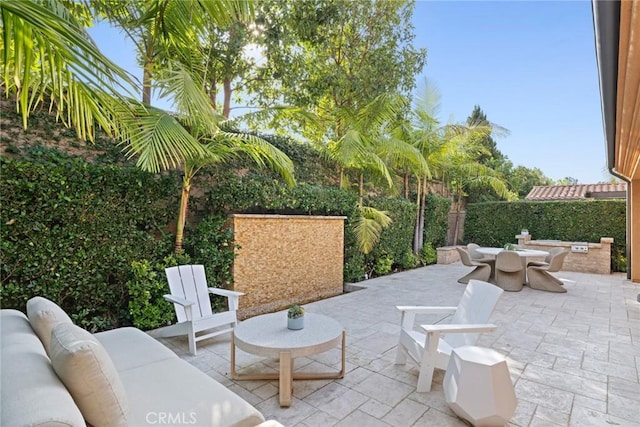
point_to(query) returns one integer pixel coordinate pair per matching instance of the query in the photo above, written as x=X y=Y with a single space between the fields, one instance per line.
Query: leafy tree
x=567 y=181
x=523 y=180
x=328 y=54
x=491 y=156
x=161 y=29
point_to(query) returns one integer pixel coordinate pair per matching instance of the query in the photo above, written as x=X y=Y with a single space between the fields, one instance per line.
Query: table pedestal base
x=285 y=376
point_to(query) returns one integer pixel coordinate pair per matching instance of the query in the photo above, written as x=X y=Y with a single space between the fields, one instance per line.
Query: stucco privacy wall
x=285 y=259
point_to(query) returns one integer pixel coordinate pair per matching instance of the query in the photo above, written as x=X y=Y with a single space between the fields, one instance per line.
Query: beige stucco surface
x=285 y=259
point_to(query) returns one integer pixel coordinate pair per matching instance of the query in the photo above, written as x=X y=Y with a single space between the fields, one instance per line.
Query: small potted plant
x=524 y=232
x=295 y=317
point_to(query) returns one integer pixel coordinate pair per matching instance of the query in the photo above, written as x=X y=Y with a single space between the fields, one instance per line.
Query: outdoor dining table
x=524 y=255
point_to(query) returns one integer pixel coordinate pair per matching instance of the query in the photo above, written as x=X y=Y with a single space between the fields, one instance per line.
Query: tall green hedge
x=96 y=238
x=497 y=223
x=70 y=230
x=396 y=241
x=263 y=194
x=436 y=219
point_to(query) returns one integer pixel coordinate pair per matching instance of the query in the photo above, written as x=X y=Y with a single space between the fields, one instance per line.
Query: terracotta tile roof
x=578 y=192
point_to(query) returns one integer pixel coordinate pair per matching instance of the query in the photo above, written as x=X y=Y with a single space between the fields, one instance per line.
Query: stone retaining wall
x=285 y=259
x=596 y=260
x=447 y=255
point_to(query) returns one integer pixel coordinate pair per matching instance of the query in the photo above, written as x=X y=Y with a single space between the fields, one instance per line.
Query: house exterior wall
x=634 y=229
x=286 y=259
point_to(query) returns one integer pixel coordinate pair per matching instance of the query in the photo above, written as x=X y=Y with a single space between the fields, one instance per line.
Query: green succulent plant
x=295 y=311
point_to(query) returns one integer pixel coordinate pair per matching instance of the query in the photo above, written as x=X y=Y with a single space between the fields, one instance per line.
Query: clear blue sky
x=530 y=66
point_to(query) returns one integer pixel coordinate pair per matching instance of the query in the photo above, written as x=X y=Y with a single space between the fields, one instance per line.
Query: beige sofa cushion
x=44 y=315
x=174 y=389
x=130 y=348
x=31 y=394
x=86 y=370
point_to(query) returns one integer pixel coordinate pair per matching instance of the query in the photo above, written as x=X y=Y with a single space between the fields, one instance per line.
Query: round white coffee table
x=268 y=336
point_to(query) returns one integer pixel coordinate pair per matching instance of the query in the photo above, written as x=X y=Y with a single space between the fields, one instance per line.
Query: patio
x=574 y=358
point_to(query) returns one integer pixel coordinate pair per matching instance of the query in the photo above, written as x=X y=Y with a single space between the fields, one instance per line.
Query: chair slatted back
x=475 y=307
x=190 y=282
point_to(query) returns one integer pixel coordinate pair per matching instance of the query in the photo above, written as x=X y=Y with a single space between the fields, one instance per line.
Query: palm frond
x=372 y=162
x=429 y=101
x=401 y=153
x=157 y=138
x=263 y=154
x=189 y=99
x=368 y=226
x=348 y=149
x=46 y=49
x=225 y=12
x=382 y=111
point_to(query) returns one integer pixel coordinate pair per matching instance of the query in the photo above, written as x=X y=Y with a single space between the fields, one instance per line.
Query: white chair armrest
x=270 y=423
x=177 y=300
x=225 y=292
x=448 y=329
x=409 y=313
x=416 y=309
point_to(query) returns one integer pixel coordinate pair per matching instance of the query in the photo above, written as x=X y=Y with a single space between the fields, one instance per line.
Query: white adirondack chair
x=190 y=297
x=430 y=349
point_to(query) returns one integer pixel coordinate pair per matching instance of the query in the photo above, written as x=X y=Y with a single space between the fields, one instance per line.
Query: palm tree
x=47 y=52
x=445 y=150
x=48 y=55
x=361 y=147
x=196 y=121
x=180 y=74
x=464 y=171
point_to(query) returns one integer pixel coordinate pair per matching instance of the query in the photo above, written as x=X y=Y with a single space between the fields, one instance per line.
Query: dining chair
x=539 y=277
x=509 y=271
x=547 y=259
x=482 y=271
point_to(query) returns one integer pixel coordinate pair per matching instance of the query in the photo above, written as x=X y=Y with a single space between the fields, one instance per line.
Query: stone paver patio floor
x=574 y=358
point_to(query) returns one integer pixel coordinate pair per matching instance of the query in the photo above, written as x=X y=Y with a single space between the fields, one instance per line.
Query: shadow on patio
x=574 y=358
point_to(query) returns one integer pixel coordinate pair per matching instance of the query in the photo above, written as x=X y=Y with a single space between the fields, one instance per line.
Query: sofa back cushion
x=44 y=315
x=86 y=370
x=31 y=394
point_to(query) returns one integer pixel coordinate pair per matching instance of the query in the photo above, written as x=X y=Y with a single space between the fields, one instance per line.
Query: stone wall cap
x=269 y=216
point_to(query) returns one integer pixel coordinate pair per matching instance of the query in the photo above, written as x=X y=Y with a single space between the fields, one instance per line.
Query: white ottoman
x=478 y=387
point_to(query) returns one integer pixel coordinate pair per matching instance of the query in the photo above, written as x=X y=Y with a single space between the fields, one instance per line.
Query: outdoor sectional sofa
x=55 y=373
